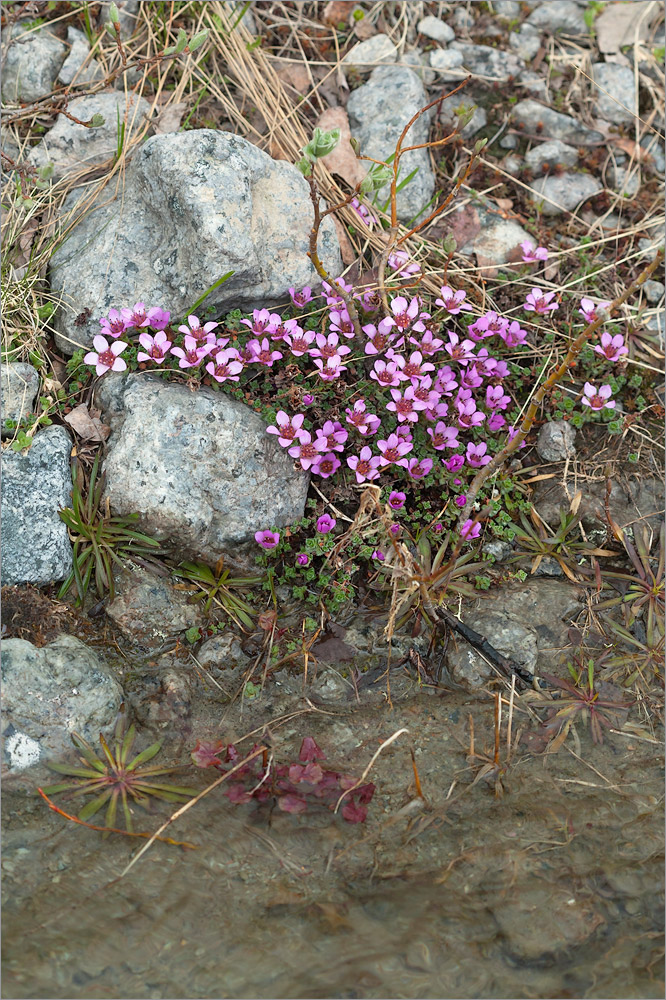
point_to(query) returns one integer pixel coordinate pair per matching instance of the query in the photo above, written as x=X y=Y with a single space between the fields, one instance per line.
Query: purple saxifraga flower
x=597 y=399
x=393 y=449
x=540 y=302
x=267 y=539
x=470 y=530
x=333 y=436
x=262 y=322
x=305 y=450
x=532 y=254
x=443 y=436
x=325 y=523
x=303 y=559
x=263 y=352
x=405 y=405
x=453 y=302
x=287 y=428
x=301 y=299
x=137 y=316
x=114 y=325
x=365 y=465
x=589 y=310
x=154 y=348
x=327 y=465
x=300 y=342
x=224 y=366
x=105 y=357
x=415 y=468
x=611 y=348
x=192 y=353
x=194 y=329
x=397 y=500
x=158 y=318
x=476 y=454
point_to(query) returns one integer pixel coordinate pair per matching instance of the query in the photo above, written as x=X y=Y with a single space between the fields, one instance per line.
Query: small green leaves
x=198 y=40
x=449 y=244
x=114 y=16
x=181 y=43
x=321 y=144
x=478 y=146
x=376 y=178
x=96 y=121
x=355 y=145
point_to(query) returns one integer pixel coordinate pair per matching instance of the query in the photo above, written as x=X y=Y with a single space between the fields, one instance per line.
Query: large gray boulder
x=19 y=384
x=49 y=693
x=35 y=485
x=198 y=467
x=193 y=206
x=538 y=118
x=31 y=61
x=378 y=111
x=72 y=148
x=564 y=192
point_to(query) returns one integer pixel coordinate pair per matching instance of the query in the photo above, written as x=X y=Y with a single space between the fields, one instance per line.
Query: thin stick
x=188 y=805
x=374 y=757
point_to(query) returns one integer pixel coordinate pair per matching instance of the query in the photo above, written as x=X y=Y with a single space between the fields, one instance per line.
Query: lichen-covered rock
x=530 y=113
x=35 y=485
x=564 y=192
x=378 y=49
x=614 y=92
x=198 y=467
x=148 y=608
x=50 y=692
x=378 y=112
x=435 y=28
x=73 y=70
x=556 y=441
x=489 y=63
x=194 y=205
x=550 y=154
x=31 y=62
x=525 y=42
x=19 y=384
x=71 y=147
x=565 y=15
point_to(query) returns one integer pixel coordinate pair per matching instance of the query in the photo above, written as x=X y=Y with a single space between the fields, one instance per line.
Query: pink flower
x=339 y=322
x=445 y=382
x=397 y=499
x=263 y=353
x=106 y=358
x=154 y=348
x=327 y=465
x=308 y=399
x=428 y=344
x=611 y=348
x=416 y=469
x=495 y=398
x=330 y=291
x=393 y=449
x=370 y=299
x=514 y=335
x=325 y=523
x=511 y=433
x=378 y=555
x=379 y=337
x=301 y=298
x=224 y=366
x=454 y=463
x=328 y=347
x=398 y=260
x=365 y=423
x=470 y=378
x=364 y=465
x=461 y=500
x=286 y=428
x=452 y=301
x=387 y=373
x=462 y=352
x=443 y=436
x=404 y=312
x=415 y=367
x=425 y=393
x=287 y=327
x=333 y=436
x=487 y=325
x=267 y=539
x=363 y=212
x=305 y=450
x=299 y=342
x=158 y=317
x=540 y=302
x=197 y=331
x=588 y=309
x=405 y=406
x=476 y=454
x=262 y=322
x=114 y=326
x=597 y=400
x=136 y=316
x=495 y=422
x=532 y=254
x=468 y=415
x=303 y=559
x=470 y=530
x=193 y=354
x=331 y=369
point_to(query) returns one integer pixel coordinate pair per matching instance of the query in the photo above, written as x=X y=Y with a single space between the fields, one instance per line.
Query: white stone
x=372 y=52
x=439 y=31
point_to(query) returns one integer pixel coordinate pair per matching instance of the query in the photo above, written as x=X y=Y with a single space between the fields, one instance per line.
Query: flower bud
x=376 y=178
x=114 y=16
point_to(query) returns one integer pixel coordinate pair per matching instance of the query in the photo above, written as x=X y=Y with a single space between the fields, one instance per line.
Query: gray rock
x=447 y=62
x=373 y=51
x=194 y=205
x=506 y=8
x=32 y=60
x=655 y=147
x=650 y=247
x=498 y=549
x=417 y=60
x=438 y=30
x=489 y=63
x=378 y=111
x=72 y=66
x=512 y=164
x=148 y=608
x=564 y=192
x=525 y=42
x=509 y=635
x=127 y=15
x=549 y=154
x=625 y=182
x=563 y=16
x=615 y=92
x=19 y=385
x=549 y=567
x=642 y=498
x=556 y=440
x=534 y=83
x=71 y=147
x=223 y=655
x=654 y=291
x=450 y=105
x=463 y=19
x=530 y=113
x=35 y=485
x=497 y=239
x=509 y=141
x=49 y=693
x=164 y=696
x=198 y=467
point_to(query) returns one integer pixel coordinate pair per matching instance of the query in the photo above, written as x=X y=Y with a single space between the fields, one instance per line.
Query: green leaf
x=114 y=16
x=198 y=40
x=94 y=805
x=220 y=281
x=97 y=121
x=145 y=755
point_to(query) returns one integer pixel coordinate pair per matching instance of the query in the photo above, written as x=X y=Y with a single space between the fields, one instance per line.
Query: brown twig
x=558 y=373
